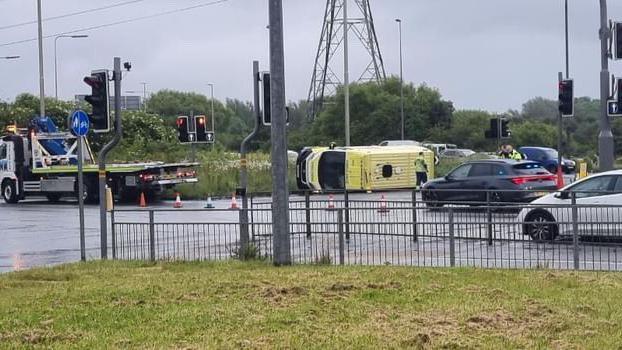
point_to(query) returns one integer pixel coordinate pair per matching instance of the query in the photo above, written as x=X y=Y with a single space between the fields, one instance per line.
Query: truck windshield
x=332 y=170
x=2 y=151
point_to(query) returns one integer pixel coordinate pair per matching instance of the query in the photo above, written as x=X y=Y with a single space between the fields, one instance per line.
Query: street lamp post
x=399 y=22
x=55 y=58
x=144 y=96
x=212 y=98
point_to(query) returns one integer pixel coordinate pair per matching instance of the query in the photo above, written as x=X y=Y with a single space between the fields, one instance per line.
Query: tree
x=375 y=114
x=467 y=129
x=534 y=133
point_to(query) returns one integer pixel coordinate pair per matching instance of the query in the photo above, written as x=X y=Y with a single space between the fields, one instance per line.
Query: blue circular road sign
x=80 y=123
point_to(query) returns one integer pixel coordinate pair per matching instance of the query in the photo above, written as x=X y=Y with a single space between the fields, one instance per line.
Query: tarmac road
x=38 y=233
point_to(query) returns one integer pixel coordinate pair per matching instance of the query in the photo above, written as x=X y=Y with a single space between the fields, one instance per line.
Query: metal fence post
x=308 y=213
x=346 y=200
x=489 y=218
x=575 y=231
x=151 y=236
x=452 y=247
x=252 y=220
x=114 y=235
x=414 y=213
x=341 y=238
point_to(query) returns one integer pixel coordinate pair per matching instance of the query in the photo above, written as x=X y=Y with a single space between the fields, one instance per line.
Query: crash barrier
x=410 y=232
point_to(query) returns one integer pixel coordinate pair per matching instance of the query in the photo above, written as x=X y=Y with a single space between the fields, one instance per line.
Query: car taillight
x=524 y=179
x=146 y=177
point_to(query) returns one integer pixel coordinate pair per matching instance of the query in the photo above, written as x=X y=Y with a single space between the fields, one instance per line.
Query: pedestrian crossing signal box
x=266 y=111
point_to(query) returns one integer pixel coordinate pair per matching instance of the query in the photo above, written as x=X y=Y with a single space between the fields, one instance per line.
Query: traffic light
x=566 y=98
x=617 y=29
x=265 y=83
x=182 y=129
x=98 y=99
x=200 y=122
x=493 y=132
x=505 y=130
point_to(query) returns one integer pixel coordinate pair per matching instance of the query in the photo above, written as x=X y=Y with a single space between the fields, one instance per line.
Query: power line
x=16 y=25
x=130 y=20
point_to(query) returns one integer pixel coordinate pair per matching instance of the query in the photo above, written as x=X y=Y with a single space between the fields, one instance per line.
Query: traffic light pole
x=244 y=236
x=280 y=191
x=102 y=158
x=605 y=137
x=560 y=126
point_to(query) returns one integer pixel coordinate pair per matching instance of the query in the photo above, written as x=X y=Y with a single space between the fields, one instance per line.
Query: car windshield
x=551 y=153
x=529 y=169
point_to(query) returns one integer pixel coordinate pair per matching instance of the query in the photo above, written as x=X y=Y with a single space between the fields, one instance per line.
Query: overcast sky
x=481 y=54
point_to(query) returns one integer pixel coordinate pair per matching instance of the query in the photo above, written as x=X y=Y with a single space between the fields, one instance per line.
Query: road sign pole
x=79 y=124
x=81 y=196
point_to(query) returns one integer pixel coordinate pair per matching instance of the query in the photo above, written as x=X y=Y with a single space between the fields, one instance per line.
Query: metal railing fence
x=410 y=232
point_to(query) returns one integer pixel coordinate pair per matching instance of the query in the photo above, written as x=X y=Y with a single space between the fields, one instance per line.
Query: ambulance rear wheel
x=9 y=192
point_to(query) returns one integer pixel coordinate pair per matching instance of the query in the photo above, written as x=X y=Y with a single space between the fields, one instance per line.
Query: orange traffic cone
x=143 y=202
x=234 y=203
x=178 y=204
x=560 y=178
x=383 y=205
x=331 y=202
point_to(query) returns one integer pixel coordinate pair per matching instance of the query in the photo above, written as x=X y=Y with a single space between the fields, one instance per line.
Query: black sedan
x=505 y=180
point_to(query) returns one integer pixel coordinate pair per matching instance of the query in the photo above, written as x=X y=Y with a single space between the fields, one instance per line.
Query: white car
x=551 y=216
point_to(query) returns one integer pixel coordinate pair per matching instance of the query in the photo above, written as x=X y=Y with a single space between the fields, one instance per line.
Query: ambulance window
x=2 y=151
x=387 y=171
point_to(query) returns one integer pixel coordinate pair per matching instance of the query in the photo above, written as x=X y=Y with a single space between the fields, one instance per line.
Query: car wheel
x=541 y=226
x=9 y=192
x=431 y=199
x=495 y=197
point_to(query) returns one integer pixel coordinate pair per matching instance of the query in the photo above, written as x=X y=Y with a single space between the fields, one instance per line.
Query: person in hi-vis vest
x=421 y=170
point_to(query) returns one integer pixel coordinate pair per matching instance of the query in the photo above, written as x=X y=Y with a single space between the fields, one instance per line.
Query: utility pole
x=280 y=191
x=41 y=79
x=346 y=75
x=399 y=21
x=605 y=137
x=211 y=85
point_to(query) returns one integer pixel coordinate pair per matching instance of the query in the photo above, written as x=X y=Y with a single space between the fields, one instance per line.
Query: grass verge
x=254 y=305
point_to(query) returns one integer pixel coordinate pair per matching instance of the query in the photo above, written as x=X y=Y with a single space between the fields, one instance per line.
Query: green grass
x=254 y=305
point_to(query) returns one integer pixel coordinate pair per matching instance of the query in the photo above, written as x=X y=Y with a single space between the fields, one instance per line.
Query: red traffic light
x=94 y=81
x=181 y=121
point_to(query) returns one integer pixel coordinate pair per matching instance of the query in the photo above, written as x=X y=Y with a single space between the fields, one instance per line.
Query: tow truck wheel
x=89 y=193
x=9 y=192
x=53 y=197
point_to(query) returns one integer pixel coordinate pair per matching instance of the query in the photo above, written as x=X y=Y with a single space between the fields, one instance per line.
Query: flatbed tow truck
x=42 y=161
